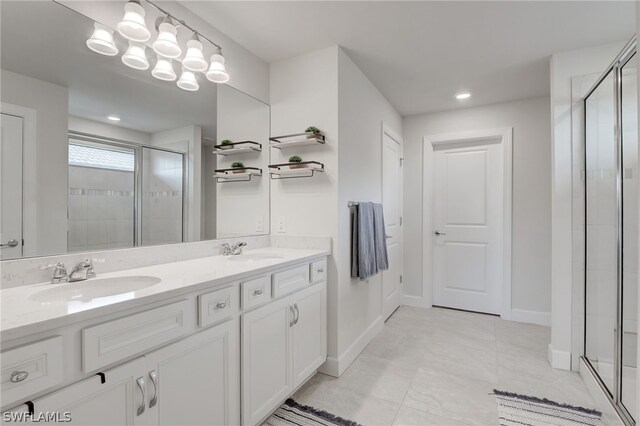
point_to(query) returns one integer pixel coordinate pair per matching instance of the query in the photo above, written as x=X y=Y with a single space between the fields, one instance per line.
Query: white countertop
x=22 y=316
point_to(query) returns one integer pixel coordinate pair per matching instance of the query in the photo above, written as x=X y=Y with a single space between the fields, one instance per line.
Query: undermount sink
x=88 y=290
x=253 y=257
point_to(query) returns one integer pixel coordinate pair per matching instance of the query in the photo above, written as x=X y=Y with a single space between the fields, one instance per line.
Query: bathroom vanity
x=221 y=340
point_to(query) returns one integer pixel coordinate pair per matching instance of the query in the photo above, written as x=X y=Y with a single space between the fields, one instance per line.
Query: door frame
x=505 y=135
x=389 y=131
x=29 y=175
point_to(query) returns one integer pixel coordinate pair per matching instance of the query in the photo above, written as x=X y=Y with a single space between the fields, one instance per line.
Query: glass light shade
x=188 y=81
x=164 y=70
x=135 y=56
x=217 y=71
x=167 y=44
x=194 y=59
x=101 y=40
x=132 y=26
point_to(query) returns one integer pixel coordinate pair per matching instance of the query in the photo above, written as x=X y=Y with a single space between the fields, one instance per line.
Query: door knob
x=438 y=233
x=10 y=243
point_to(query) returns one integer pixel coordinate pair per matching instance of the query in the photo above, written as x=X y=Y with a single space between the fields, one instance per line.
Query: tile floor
x=438 y=367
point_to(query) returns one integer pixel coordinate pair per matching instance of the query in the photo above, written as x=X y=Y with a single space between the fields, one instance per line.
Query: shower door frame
x=137 y=178
x=614 y=395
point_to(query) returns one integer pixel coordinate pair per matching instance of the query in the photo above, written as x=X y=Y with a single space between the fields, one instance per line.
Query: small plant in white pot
x=316 y=133
x=238 y=167
x=226 y=144
x=296 y=160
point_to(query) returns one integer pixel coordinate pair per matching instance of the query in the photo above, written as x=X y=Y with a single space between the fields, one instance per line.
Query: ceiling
x=46 y=41
x=420 y=54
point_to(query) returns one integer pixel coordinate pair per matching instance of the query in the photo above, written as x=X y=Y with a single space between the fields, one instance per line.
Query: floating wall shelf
x=237 y=148
x=295 y=170
x=243 y=174
x=297 y=139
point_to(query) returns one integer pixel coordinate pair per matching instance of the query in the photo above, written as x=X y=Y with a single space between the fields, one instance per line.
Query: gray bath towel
x=368 y=245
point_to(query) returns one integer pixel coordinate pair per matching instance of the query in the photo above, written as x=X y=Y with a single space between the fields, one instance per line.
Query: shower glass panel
x=601 y=230
x=162 y=197
x=629 y=133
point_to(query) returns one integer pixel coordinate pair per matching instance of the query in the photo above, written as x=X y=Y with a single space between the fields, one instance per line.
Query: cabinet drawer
x=319 y=271
x=255 y=292
x=217 y=306
x=31 y=368
x=112 y=341
x=291 y=280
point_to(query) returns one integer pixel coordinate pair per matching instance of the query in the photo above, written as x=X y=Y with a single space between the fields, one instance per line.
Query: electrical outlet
x=259 y=224
x=282 y=224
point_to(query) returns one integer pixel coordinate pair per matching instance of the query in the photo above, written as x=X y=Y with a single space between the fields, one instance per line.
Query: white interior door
x=11 y=187
x=392 y=203
x=468 y=226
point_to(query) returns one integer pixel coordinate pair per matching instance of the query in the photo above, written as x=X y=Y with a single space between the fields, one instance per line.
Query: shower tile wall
x=162 y=185
x=100 y=209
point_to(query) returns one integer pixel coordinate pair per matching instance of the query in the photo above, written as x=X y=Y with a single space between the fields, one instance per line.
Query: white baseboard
x=415 y=301
x=531 y=317
x=559 y=359
x=336 y=366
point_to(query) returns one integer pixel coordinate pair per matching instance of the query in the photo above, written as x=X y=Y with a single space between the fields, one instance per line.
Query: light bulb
x=135 y=56
x=167 y=44
x=188 y=81
x=463 y=95
x=164 y=70
x=132 y=26
x=194 y=59
x=101 y=40
x=217 y=70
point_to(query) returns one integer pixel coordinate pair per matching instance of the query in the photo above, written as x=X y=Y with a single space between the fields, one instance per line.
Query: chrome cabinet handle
x=438 y=233
x=221 y=305
x=18 y=376
x=321 y=270
x=295 y=306
x=257 y=292
x=141 y=385
x=293 y=316
x=10 y=243
x=154 y=379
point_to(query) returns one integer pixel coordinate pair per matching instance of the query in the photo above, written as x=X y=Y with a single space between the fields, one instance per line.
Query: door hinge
x=400 y=278
x=400 y=220
x=401 y=160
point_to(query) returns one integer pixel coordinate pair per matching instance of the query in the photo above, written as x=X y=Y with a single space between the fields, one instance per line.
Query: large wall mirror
x=97 y=155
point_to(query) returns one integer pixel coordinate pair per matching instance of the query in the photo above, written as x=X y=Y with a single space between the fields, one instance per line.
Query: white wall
x=48 y=160
x=531 y=215
x=565 y=233
x=96 y=128
x=325 y=89
x=362 y=110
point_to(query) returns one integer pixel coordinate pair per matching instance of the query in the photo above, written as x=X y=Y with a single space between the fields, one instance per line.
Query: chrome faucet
x=232 y=249
x=82 y=271
x=59 y=272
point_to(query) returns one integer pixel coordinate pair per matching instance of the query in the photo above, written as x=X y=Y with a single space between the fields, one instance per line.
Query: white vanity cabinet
x=283 y=344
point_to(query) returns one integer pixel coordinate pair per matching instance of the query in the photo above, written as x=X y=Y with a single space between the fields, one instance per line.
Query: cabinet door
x=309 y=333
x=266 y=372
x=197 y=381
x=117 y=401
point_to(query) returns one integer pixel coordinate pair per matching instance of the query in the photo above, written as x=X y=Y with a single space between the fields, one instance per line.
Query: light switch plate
x=259 y=224
x=282 y=224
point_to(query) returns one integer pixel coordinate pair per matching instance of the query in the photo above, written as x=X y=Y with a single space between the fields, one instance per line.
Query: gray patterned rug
x=293 y=414
x=522 y=410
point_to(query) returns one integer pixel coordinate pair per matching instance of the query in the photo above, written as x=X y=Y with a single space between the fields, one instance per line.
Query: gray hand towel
x=364 y=262
x=380 y=236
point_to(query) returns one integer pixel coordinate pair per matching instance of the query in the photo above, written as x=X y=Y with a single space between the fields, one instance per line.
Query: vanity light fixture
x=101 y=40
x=167 y=44
x=217 y=70
x=135 y=56
x=164 y=69
x=463 y=95
x=194 y=59
x=132 y=27
x=188 y=81
x=113 y=118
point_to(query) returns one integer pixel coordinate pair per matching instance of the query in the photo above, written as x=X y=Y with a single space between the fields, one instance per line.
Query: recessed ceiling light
x=113 y=118
x=463 y=95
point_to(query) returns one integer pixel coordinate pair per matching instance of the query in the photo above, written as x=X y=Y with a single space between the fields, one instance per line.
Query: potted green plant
x=238 y=166
x=226 y=144
x=296 y=159
x=313 y=129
